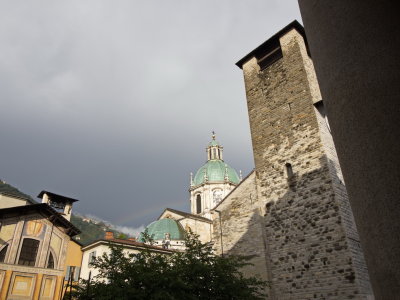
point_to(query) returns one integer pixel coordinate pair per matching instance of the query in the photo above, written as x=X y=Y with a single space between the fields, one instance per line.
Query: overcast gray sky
x=113 y=102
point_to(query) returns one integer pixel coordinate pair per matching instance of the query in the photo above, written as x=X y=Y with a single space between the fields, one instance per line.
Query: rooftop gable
x=45 y=210
x=184 y=214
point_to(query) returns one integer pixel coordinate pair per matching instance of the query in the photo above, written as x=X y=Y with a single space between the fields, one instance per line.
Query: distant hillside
x=92 y=229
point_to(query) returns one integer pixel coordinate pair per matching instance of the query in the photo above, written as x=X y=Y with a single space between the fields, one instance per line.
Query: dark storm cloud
x=113 y=102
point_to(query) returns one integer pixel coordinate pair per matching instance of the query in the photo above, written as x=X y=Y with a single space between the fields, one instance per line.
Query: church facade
x=208 y=187
x=290 y=216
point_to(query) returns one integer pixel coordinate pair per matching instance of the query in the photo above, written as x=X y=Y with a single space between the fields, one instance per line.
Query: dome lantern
x=212 y=182
x=214 y=149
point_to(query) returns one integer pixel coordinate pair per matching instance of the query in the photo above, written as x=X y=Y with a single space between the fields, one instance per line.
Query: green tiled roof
x=9 y=190
x=159 y=228
x=215 y=170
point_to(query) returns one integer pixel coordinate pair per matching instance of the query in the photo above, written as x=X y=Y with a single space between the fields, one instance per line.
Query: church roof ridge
x=243 y=180
x=185 y=214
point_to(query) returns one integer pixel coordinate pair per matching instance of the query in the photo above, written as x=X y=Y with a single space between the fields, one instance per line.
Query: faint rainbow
x=127 y=218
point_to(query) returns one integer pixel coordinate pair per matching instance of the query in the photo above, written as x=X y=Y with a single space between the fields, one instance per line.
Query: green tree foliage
x=193 y=274
x=122 y=236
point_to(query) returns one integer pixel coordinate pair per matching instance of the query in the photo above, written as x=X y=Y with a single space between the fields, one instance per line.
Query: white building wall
x=100 y=250
x=6 y=202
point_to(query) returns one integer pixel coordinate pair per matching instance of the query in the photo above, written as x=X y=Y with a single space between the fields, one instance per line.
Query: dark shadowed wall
x=355 y=46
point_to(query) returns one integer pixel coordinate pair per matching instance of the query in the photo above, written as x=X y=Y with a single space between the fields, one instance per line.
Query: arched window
x=289 y=170
x=50 y=262
x=28 y=252
x=214 y=153
x=3 y=253
x=198 y=204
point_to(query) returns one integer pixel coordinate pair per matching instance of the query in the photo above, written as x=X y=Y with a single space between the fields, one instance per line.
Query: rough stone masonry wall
x=309 y=253
x=242 y=232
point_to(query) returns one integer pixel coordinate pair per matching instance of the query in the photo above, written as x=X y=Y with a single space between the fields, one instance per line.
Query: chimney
x=45 y=198
x=109 y=235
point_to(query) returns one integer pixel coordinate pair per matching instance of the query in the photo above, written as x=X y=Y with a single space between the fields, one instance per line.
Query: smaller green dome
x=159 y=228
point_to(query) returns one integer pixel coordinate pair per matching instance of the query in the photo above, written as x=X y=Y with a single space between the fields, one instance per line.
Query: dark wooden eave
x=57 y=197
x=45 y=210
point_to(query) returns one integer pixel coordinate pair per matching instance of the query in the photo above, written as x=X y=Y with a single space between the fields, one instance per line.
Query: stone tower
x=311 y=242
x=212 y=182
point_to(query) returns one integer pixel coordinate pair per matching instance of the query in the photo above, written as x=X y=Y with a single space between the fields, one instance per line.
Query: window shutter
x=68 y=273
x=77 y=273
x=92 y=255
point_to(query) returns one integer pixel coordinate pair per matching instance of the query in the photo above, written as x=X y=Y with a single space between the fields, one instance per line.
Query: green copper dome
x=215 y=171
x=159 y=228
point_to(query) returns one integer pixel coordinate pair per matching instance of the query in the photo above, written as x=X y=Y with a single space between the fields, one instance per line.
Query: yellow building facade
x=34 y=243
x=73 y=264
